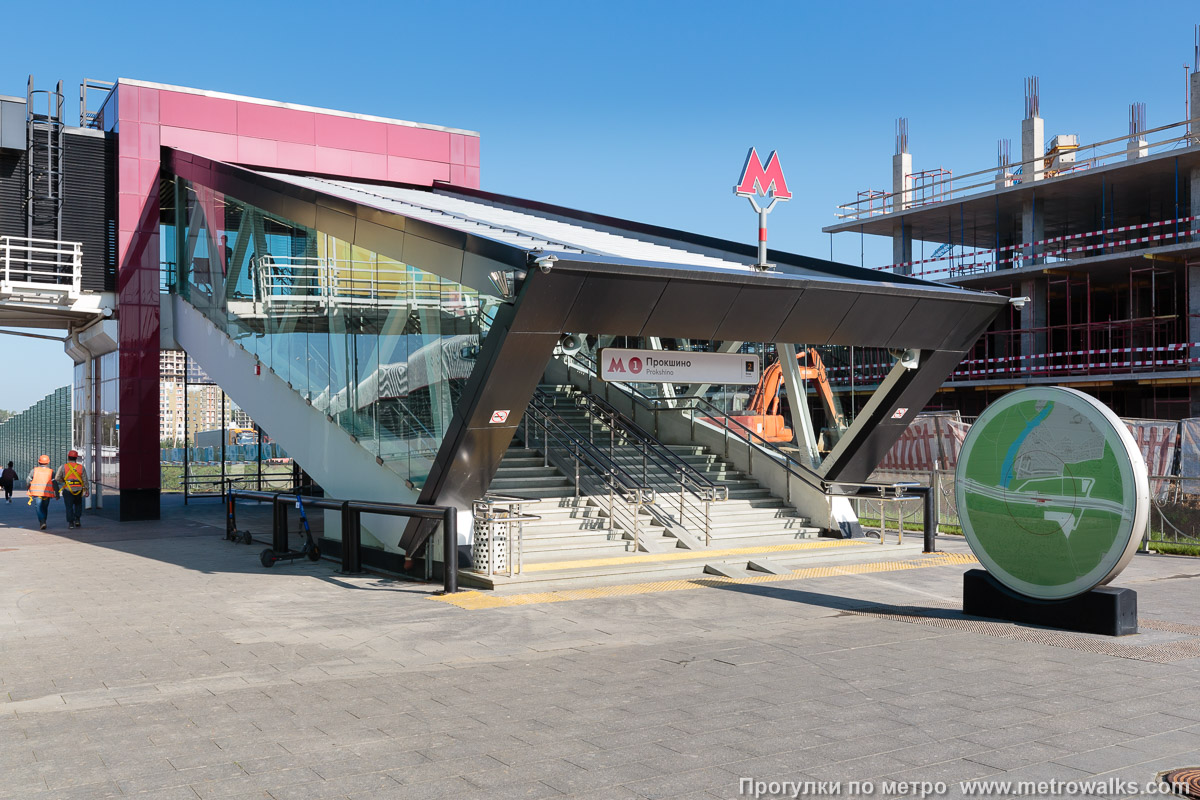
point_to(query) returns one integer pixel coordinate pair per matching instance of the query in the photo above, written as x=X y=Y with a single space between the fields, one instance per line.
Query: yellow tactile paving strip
x=482 y=600
x=692 y=555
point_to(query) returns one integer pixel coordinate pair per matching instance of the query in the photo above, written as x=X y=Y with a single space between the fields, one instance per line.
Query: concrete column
x=1194 y=107
x=902 y=181
x=902 y=249
x=1032 y=230
x=1193 y=307
x=1194 y=194
x=1033 y=316
x=1033 y=149
x=1138 y=148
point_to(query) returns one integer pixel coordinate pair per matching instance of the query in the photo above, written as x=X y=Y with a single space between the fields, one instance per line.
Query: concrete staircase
x=753 y=533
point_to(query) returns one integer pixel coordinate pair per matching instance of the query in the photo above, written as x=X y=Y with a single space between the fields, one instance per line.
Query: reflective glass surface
x=382 y=347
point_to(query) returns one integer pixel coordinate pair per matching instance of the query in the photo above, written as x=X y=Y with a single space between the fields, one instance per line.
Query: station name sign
x=671 y=366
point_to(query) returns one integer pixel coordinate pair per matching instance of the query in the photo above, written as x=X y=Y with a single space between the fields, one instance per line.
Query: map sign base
x=1105 y=610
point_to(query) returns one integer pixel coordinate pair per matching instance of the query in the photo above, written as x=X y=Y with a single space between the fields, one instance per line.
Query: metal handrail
x=613 y=477
x=986 y=178
x=701 y=485
x=690 y=480
x=351 y=512
x=793 y=467
x=800 y=470
x=485 y=510
x=326 y=281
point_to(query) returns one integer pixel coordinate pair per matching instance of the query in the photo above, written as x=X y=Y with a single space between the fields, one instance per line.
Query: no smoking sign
x=499 y=417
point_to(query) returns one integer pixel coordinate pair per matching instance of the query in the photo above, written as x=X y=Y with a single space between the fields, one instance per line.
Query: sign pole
x=762 y=240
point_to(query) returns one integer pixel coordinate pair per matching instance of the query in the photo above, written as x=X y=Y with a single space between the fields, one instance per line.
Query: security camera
x=546 y=263
x=1018 y=302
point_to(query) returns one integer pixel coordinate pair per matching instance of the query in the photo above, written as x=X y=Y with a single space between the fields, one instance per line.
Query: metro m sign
x=768 y=184
x=759 y=180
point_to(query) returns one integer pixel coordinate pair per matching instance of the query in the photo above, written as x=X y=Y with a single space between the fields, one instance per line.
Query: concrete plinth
x=1105 y=610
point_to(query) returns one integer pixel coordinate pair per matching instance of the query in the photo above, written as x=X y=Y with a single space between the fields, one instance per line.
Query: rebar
x=1033 y=100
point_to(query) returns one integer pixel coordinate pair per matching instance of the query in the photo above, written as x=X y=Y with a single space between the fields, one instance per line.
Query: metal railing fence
x=40 y=265
x=958 y=187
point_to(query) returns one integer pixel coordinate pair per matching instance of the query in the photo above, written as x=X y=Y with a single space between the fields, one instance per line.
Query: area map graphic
x=1047 y=488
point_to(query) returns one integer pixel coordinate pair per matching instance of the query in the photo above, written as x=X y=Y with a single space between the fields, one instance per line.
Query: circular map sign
x=1052 y=492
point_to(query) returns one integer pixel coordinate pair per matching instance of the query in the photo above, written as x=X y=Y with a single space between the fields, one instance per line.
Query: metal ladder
x=43 y=162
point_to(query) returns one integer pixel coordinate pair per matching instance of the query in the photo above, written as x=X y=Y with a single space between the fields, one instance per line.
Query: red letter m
x=756 y=179
x=616 y=365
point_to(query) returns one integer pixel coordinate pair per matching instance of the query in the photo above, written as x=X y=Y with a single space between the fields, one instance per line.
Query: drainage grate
x=1184 y=781
x=945 y=615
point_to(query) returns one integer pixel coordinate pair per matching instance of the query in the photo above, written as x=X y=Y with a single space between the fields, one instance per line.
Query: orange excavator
x=762 y=415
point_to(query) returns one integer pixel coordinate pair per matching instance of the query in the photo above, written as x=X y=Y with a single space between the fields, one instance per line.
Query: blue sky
x=642 y=110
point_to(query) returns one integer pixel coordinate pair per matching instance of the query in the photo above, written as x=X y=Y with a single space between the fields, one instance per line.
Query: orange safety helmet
x=43 y=460
x=73 y=454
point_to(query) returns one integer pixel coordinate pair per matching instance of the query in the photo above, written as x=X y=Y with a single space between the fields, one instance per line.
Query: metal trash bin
x=496 y=544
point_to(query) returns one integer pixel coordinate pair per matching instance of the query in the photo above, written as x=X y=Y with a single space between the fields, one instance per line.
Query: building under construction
x=1096 y=243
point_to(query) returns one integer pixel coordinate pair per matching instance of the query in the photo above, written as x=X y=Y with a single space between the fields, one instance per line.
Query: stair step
x=532 y=460
x=579 y=543
x=567 y=535
x=506 y=472
x=540 y=493
x=743 y=494
x=733 y=527
x=722 y=538
x=582 y=510
x=537 y=557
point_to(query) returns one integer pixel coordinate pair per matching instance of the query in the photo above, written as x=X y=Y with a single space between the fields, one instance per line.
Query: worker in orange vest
x=41 y=488
x=73 y=480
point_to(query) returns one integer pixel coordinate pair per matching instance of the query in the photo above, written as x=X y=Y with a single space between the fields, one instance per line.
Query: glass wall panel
x=381 y=346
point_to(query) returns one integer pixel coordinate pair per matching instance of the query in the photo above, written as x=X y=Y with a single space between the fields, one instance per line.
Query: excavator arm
x=762 y=413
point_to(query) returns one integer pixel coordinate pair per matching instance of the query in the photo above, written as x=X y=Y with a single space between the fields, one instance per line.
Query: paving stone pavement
x=156 y=660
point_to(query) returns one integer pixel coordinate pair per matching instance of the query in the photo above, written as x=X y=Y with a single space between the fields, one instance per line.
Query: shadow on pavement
x=191 y=536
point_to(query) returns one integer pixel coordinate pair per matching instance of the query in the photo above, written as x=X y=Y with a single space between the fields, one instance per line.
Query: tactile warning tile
x=949 y=617
x=474 y=600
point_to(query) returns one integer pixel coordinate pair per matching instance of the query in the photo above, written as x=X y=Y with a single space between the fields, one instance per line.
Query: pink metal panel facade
x=242 y=131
